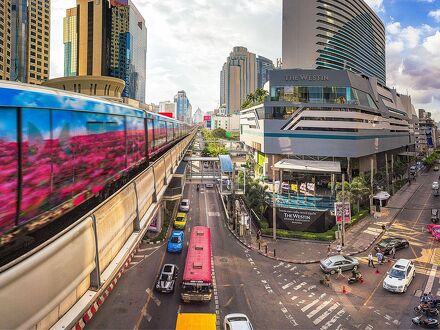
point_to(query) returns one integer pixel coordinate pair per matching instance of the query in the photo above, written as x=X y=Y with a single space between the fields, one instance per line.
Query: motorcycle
x=425 y=321
x=356 y=279
x=427 y=309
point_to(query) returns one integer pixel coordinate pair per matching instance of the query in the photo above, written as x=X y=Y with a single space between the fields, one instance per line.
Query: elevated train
x=59 y=149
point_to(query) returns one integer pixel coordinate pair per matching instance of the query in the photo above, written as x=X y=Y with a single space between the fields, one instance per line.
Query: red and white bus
x=197 y=277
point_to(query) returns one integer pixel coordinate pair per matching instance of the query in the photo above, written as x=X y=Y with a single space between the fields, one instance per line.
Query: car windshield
x=383 y=244
x=167 y=269
x=237 y=319
x=184 y=203
x=397 y=273
x=327 y=262
x=436 y=230
x=165 y=277
x=180 y=219
x=175 y=239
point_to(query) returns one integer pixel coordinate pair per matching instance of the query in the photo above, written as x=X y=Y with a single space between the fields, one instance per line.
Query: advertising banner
x=343 y=212
x=301 y=219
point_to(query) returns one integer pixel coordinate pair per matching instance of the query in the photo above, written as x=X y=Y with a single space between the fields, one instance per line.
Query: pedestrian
x=384 y=228
x=339 y=273
x=393 y=252
x=258 y=234
x=370 y=260
x=329 y=250
x=339 y=248
x=379 y=256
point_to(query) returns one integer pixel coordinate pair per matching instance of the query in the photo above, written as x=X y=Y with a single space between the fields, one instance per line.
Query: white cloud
x=435 y=14
x=377 y=5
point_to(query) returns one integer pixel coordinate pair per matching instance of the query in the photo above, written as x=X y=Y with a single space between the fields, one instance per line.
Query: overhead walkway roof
x=226 y=165
x=308 y=166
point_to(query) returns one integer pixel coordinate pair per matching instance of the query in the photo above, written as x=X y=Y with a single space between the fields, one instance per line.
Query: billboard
x=207 y=120
x=315 y=221
x=343 y=212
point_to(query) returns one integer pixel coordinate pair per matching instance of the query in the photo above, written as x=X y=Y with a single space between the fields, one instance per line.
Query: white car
x=184 y=205
x=400 y=276
x=237 y=322
x=435 y=185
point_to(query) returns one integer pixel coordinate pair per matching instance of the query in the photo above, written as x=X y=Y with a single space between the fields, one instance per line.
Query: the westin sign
x=307 y=77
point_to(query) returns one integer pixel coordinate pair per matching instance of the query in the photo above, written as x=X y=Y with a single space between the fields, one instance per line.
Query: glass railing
x=302 y=202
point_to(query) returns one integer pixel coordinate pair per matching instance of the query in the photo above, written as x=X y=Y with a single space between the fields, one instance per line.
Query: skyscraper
x=25 y=40
x=338 y=35
x=38 y=41
x=70 y=39
x=184 y=108
x=19 y=40
x=112 y=41
x=264 y=65
x=238 y=79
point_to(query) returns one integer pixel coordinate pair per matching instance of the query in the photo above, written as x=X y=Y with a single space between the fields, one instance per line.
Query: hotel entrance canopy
x=308 y=166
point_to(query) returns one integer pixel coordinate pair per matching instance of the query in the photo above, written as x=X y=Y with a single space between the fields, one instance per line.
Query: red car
x=434 y=230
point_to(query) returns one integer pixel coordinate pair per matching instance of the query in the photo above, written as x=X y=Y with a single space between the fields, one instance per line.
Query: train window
x=36 y=163
x=170 y=131
x=150 y=129
x=8 y=168
x=135 y=140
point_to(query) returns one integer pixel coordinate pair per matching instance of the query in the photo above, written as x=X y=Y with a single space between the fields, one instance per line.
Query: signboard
x=301 y=219
x=206 y=118
x=156 y=223
x=167 y=114
x=228 y=134
x=343 y=212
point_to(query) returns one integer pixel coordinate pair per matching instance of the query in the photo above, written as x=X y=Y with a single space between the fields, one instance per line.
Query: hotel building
x=333 y=34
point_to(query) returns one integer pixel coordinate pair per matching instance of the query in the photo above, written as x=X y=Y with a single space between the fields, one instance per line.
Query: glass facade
x=129 y=49
x=70 y=40
x=322 y=95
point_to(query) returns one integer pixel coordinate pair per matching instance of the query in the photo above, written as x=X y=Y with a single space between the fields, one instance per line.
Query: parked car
x=331 y=264
x=387 y=244
x=184 y=205
x=237 y=322
x=435 y=185
x=209 y=185
x=435 y=168
x=180 y=221
x=400 y=276
x=167 y=278
x=175 y=244
x=434 y=230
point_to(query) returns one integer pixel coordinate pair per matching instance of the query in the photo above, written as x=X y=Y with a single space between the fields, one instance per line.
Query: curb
x=93 y=309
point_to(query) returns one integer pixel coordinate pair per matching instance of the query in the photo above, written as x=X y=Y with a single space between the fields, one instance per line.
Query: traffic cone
x=377 y=270
x=362 y=280
x=344 y=291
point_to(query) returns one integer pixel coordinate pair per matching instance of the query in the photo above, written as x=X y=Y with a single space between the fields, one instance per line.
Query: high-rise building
x=112 y=41
x=19 y=40
x=264 y=65
x=198 y=116
x=184 y=108
x=238 y=79
x=25 y=40
x=70 y=39
x=38 y=41
x=337 y=35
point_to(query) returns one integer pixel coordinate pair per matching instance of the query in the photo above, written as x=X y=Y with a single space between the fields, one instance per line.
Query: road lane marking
x=319 y=308
x=299 y=286
x=333 y=320
x=326 y=314
x=431 y=279
x=288 y=285
x=313 y=303
x=279 y=265
x=294 y=298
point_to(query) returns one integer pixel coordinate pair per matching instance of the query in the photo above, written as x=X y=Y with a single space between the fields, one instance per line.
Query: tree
x=355 y=192
x=254 y=99
x=219 y=133
x=255 y=193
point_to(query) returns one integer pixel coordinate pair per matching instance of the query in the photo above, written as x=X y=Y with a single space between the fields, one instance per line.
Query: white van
x=400 y=276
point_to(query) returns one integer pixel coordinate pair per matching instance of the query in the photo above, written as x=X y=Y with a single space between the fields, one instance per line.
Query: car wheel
x=405 y=288
x=355 y=268
x=406 y=245
x=333 y=272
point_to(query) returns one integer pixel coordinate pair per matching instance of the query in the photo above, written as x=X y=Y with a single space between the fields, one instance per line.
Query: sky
x=189 y=40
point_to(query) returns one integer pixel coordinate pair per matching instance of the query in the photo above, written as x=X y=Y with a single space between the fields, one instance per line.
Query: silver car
x=331 y=264
x=167 y=278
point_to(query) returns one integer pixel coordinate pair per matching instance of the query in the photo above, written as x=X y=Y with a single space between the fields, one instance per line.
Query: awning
x=409 y=153
x=226 y=164
x=308 y=166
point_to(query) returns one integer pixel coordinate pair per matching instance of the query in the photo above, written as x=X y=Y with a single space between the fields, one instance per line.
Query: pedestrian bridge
x=62 y=282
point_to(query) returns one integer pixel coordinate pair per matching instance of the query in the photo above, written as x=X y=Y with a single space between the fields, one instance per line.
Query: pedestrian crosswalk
x=323 y=311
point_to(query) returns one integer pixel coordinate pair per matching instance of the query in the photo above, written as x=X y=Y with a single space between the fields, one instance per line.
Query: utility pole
x=274 y=202
x=371 y=184
x=343 y=210
x=387 y=172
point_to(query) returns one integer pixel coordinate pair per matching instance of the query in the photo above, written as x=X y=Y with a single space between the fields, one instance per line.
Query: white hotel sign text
x=305 y=77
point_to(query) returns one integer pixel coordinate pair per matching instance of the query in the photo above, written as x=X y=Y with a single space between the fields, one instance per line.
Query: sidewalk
x=359 y=238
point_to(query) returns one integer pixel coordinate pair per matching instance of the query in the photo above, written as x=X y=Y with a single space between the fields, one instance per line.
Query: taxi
x=180 y=221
